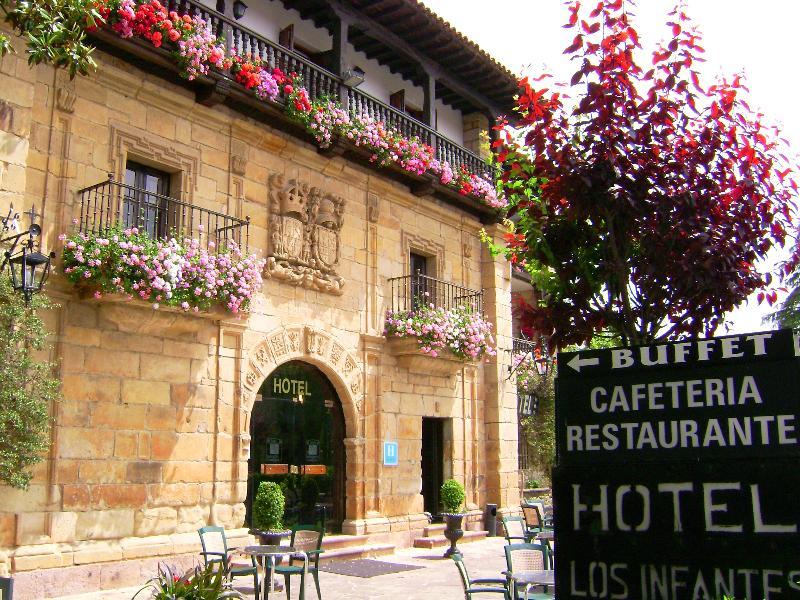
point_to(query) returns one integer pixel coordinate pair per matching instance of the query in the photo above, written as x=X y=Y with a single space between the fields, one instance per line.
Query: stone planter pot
x=453 y=532
x=269 y=538
x=408 y=354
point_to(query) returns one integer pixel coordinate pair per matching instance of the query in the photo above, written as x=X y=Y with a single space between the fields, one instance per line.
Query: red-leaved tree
x=641 y=205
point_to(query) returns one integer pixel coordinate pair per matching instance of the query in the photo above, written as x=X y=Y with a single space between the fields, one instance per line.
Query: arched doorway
x=297 y=440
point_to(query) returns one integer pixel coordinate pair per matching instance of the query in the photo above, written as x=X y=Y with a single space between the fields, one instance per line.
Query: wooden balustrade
x=322 y=83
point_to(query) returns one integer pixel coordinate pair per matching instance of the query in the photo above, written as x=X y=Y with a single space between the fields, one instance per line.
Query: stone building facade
x=152 y=437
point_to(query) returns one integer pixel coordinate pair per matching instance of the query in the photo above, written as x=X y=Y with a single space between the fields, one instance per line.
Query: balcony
x=221 y=87
x=413 y=292
x=111 y=204
x=425 y=301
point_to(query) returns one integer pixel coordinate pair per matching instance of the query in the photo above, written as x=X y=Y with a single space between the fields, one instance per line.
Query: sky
x=758 y=39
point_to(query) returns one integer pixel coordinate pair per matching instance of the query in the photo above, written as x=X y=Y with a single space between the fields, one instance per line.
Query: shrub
x=200 y=583
x=453 y=495
x=27 y=385
x=268 y=507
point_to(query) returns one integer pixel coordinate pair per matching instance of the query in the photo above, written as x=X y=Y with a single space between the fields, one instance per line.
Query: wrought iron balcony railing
x=110 y=204
x=413 y=292
x=321 y=82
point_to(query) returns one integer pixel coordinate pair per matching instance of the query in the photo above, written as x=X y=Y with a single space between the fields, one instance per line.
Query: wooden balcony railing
x=112 y=204
x=413 y=292
x=321 y=82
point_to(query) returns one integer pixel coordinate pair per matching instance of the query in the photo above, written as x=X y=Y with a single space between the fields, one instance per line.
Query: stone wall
x=151 y=439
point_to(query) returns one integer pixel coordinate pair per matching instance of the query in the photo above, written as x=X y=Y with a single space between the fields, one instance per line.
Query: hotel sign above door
x=677 y=470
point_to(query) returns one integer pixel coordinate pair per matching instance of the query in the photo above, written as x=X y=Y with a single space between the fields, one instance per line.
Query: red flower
x=288 y=89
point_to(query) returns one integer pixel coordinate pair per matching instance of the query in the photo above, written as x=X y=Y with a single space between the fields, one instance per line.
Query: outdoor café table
x=547 y=537
x=533 y=578
x=270 y=553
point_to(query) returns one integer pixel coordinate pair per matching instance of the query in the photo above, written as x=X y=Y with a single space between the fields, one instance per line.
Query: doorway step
x=433 y=537
x=349 y=547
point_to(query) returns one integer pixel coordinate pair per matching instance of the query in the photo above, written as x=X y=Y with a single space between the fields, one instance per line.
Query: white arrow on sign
x=577 y=362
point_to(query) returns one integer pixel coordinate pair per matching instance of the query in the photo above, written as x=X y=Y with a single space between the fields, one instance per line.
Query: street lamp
x=28 y=268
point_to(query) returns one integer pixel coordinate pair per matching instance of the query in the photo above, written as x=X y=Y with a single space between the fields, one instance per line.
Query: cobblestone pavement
x=437 y=580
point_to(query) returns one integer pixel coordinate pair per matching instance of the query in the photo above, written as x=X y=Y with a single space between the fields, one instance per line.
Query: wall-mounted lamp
x=239 y=8
x=353 y=77
x=28 y=268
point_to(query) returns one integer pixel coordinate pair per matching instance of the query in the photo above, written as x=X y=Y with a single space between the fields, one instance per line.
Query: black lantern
x=239 y=8
x=28 y=268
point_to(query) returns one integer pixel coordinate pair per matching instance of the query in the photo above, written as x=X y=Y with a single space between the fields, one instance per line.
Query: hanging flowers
x=458 y=330
x=197 y=48
x=184 y=274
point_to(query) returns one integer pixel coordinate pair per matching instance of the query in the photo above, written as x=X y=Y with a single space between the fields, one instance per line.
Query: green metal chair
x=514 y=529
x=479 y=586
x=527 y=557
x=535 y=521
x=308 y=539
x=215 y=550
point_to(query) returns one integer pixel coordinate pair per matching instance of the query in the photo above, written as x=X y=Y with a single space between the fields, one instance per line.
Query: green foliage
x=452 y=494
x=268 y=507
x=200 y=583
x=27 y=385
x=788 y=315
x=54 y=31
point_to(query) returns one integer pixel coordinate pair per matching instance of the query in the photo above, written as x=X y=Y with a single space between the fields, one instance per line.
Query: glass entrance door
x=297 y=440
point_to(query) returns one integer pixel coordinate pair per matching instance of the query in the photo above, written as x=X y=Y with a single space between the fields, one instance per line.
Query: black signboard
x=677 y=470
x=6 y=588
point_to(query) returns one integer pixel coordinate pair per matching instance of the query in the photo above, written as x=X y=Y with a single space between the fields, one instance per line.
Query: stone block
x=101 y=471
x=118 y=495
x=76 y=496
x=82 y=336
x=120 y=363
x=145 y=392
x=162 y=444
x=161 y=417
x=62 y=526
x=44 y=556
x=157 y=545
x=90 y=388
x=119 y=340
x=8 y=524
x=125 y=444
x=103 y=524
x=144 y=472
x=119 y=416
x=192 y=518
x=188 y=471
x=83 y=442
x=186 y=542
x=155 y=521
x=187 y=349
x=174 y=494
x=157 y=368
x=96 y=551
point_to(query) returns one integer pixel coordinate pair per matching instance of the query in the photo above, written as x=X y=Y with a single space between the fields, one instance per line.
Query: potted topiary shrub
x=268 y=508
x=452 y=495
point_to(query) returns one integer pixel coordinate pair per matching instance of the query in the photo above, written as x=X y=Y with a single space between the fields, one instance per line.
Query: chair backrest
x=306 y=537
x=527 y=557
x=532 y=517
x=213 y=539
x=514 y=527
x=462 y=569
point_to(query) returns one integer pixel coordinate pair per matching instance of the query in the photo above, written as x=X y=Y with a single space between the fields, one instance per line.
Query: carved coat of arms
x=304 y=235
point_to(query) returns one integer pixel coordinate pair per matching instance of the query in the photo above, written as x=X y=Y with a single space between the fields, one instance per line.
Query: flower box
x=409 y=356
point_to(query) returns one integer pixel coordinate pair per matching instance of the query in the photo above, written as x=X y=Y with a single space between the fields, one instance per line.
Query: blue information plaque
x=390 y=454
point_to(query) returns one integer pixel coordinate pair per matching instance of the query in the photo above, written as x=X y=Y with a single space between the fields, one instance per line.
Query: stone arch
x=315 y=347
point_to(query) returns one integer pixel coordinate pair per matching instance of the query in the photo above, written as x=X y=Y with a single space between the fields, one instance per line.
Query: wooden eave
x=417 y=38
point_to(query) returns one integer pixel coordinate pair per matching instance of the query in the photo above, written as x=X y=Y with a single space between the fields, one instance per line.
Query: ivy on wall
x=27 y=385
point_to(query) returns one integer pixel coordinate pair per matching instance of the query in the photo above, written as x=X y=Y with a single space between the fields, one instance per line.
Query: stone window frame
x=424 y=247
x=182 y=162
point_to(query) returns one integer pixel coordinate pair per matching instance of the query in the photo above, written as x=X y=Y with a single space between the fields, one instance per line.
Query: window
x=398 y=101
x=145 y=202
x=421 y=285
